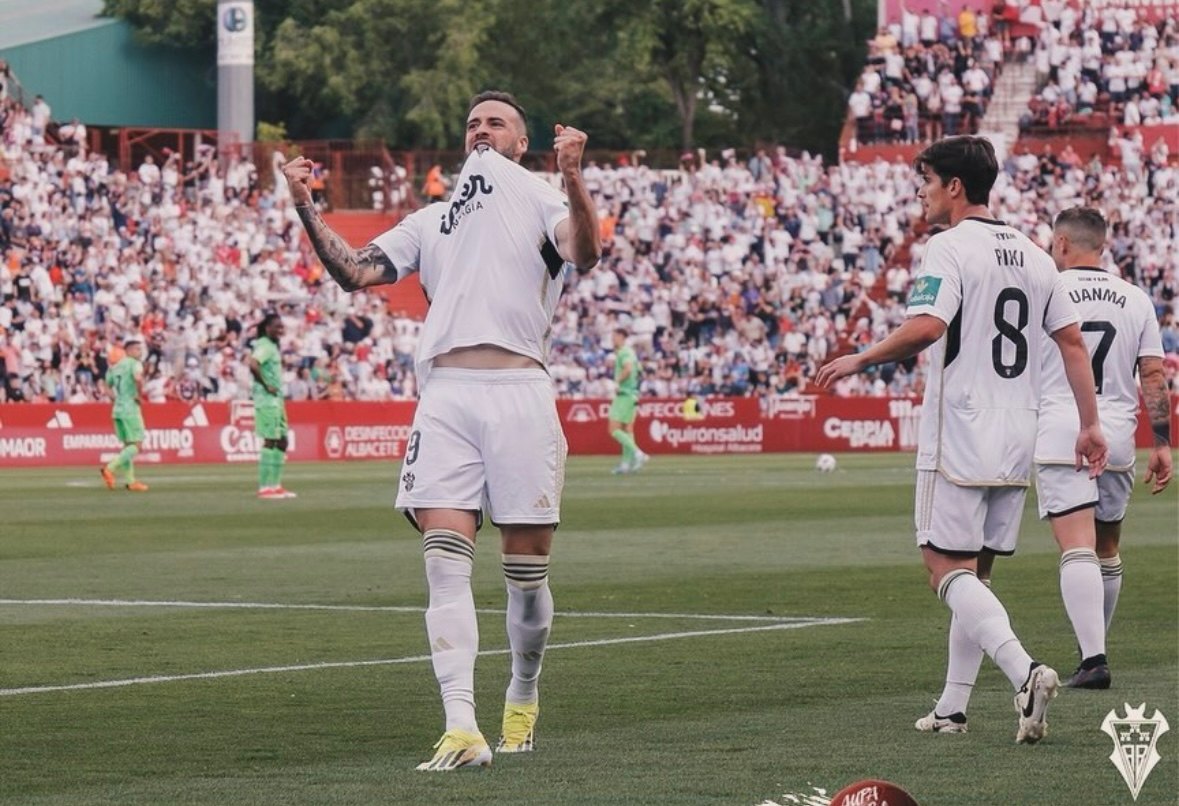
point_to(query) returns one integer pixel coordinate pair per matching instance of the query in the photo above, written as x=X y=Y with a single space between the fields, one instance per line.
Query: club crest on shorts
x=1135 y=737
x=407 y=482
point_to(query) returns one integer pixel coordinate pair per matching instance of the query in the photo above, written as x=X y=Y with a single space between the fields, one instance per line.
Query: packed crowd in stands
x=735 y=277
x=1107 y=62
x=926 y=77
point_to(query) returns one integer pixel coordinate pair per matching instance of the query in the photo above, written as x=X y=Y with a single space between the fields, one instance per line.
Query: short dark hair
x=622 y=332
x=503 y=97
x=1085 y=225
x=971 y=159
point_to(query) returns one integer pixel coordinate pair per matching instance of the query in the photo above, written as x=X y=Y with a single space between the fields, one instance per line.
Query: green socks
x=270 y=462
x=125 y=461
x=627 y=441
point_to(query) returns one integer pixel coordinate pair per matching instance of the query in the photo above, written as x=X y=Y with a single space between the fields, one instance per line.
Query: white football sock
x=1081 y=589
x=965 y=659
x=530 y=618
x=985 y=622
x=451 y=625
x=1111 y=581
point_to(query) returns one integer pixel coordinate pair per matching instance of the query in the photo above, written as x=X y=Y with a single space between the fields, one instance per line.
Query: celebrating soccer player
x=986 y=299
x=125 y=382
x=491 y=261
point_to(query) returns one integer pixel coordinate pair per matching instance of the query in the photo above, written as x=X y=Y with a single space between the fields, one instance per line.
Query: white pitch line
x=133 y=681
x=383 y=609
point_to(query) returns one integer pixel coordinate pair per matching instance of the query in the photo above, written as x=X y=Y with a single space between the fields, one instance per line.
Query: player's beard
x=510 y=151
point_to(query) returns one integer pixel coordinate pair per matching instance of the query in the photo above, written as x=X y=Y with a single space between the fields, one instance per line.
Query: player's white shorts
x=1060 y=490
x=963 y=520
x=486 y=439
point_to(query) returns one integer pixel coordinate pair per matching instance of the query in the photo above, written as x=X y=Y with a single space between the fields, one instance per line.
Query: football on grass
x=825 y=463
x=872 y=792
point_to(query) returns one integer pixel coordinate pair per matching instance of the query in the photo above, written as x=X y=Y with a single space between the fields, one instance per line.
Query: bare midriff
x=485 y=356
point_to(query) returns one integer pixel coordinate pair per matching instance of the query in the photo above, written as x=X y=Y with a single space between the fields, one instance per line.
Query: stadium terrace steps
x=358 y=227
x=1013 y=90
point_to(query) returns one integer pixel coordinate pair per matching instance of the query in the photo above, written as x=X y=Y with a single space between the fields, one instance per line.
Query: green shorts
x=129 y=428
x=623 y=409
x=270 y=422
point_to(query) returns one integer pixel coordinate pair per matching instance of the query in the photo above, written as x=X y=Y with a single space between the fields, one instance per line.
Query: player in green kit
x=124 y=383
x=625 y=404
x=270 y=413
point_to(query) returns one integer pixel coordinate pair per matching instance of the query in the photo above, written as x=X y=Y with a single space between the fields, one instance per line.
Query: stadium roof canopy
x=23 y=22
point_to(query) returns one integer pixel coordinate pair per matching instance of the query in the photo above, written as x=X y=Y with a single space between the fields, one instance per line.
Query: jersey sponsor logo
x=1135 y=739
x=860 y=433
x=22 y=448
x=1079 y=295
x=60 y=419
x=709 y=439
x=464 y=202
x=925 y=290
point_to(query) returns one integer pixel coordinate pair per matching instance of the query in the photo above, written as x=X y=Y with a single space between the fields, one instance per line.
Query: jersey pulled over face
x=1001 y=298
x=487 y=260
x=1119 y=325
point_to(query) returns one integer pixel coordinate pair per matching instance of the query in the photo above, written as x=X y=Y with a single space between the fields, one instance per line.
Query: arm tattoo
x=1157 y=399
x=351 y=268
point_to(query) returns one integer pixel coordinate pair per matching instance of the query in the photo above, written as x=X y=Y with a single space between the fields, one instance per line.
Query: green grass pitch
x=645 y=700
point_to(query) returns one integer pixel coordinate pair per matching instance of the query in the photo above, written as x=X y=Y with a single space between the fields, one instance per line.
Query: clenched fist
x=298 y=174
x=569 y=145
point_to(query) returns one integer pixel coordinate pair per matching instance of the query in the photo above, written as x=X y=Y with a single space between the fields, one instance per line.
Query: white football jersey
x=1119 y=325
x=487 y=260
x=1000 y=297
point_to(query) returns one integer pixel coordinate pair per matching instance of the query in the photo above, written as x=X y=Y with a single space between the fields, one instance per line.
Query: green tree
x=374 y=63
x=568 y=62
x=693 y=45
x=186 y=23
x=801 y=58
x=663 y=73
